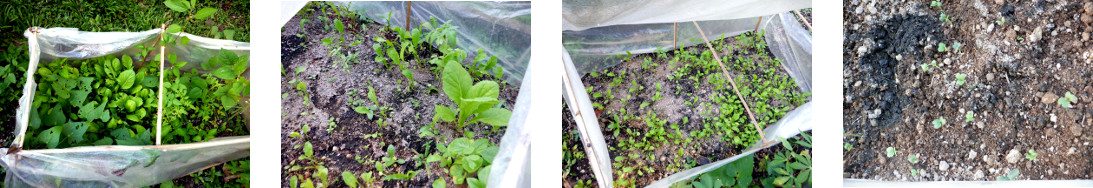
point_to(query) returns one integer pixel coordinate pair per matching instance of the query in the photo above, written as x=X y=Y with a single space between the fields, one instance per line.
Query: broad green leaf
x=240 y=65
x=349 y=178
x=432 y=158
x=444 y=113
x=51 y=137
x=338 y=25
x=229 y=34
x=471 y=163
x=177 y=5
x=104 y=141
x=461 y=146
x=126 y=79
x=489 y=153
x=204 y=13
x=474 y=183
x=494 y=116
x=308 y=151
x=780 y=181
x=224 y=73
x=1070 y=96
x=185 y=40
x=456 y=81
x=484 y=173
x=457 y=174
x=488 y=89
x=228 y=101
x=173 y=28
x=439 y=183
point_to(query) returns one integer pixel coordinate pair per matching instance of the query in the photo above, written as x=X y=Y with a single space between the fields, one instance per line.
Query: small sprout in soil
x=935 y=3
x=1067 y=99
x=912 y=158
x=1001 y=22
x=1031 y=155
x=939 y=122
x=891 y=152
x=969 y=117
x=941 y=47
x=1020 y=38
x=960 y=78
x=848 y=146
x=1011 y=175
x=915 y=172
x=956 y=46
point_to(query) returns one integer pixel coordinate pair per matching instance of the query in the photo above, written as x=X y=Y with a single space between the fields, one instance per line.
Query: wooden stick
x=408 y=5
x=675 y=34
x=756 y=24
x=729 y=76
x=803 y=19
x=159 y=109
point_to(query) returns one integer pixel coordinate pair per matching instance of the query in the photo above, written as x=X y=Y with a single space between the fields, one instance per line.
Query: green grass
x=116 y=15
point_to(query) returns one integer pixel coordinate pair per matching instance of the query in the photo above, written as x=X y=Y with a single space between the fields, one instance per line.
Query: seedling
x=891 y=152
x=969 y=117
x=1031 y=154
x=915 y=172
x=939 y=122
x=1067 y=99
x=1001 y=22
x=941 y=47
x=960 y=79
x=477 y=100
x=912 y=158
x=1011 y=175
x=956 y=46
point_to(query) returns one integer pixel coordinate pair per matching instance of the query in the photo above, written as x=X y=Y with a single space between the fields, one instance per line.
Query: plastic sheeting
x=111 y=166
x=117 y=166
x=1015 y=183
x=595 y=49
x=512 y=165
x=501 y=29
x=596 y=32
x=581 y=14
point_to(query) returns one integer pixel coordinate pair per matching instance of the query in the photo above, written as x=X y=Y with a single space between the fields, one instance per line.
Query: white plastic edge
x=1017 y=183
x=573 y=91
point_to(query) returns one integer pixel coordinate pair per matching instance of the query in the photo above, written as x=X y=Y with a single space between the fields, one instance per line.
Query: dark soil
x=1015 y=74
x=331 y=91
x=672 y=108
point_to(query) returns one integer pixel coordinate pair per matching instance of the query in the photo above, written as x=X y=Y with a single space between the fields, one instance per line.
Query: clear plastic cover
x=595 y=33
x=501 y=29
x=111 y=166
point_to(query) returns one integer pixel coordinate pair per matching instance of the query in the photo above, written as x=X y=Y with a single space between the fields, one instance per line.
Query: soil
x=1015 y=74
x=331 y=91
x=672 y=108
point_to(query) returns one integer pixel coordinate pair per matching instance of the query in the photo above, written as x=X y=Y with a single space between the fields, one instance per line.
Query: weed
x=1067 y=99
x=939 y=122
x=1031 y=155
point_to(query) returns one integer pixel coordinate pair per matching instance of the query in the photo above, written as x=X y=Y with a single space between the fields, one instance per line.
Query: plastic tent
x=595 y=32
x=501 y=29
x=111 y=166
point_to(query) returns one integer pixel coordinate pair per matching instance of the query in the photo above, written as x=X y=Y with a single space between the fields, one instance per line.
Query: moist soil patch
x=340 y=134
x=687 y=108
x=1016 y=72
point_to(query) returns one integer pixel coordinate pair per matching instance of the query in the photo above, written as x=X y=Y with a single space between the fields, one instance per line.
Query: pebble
x=1036 y=34
x=990 y=77
x=972 y=154
x=1054 y=118
x=876 y=113
x=948 y=61
x=1076 y=130
x=1013 y=156
x=988 y=159
x=944 y=166
x=1049 y=98
x=979 y=174
x=979 y=124
x=1072 y=151
x=1088 y=8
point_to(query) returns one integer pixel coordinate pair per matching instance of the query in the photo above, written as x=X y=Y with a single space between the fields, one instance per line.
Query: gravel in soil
x=685 y=102
x=897 y=83
x=329 y=95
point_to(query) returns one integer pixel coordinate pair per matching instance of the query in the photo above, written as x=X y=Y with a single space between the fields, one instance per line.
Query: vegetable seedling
x=912 y=158
x=960 y=78
x=1011 y=175
x=891 y=152
x=956 y=46
x=939 y=122
x=969 y=117
x=941 y=47
x=1031 y=154
x=1067 y=99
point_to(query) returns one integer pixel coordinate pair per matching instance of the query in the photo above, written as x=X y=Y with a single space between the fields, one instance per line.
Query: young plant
x=472 y=101
x=891 y=152
x=466 y=157
x=969 y=117
x=1011 y=175
x=1001 y=21
x=960 y=79
x=912 y=158
x=1067 y=99
x=939 y=122
x=1031 y=155
x=789 y=168
x=956 y=46
x=941 y=47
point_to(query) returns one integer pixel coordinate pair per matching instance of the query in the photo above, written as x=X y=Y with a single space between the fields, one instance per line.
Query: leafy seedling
x=969 y=117
x=1067 y=99
x=891 y=152
x=1001 y=22
x=1011 y=175
x=939 y=122
x=1031 y=155
x=473 y=101
x=960 y=78
x=912 y=158
x=956 y=46
x=941 y=47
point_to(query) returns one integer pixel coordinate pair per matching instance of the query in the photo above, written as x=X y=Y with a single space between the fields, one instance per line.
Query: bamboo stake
x=756 y=24
x=729 y=76
x=159 y=109
x=804 y=20
x=675 y=34
x=408 y=5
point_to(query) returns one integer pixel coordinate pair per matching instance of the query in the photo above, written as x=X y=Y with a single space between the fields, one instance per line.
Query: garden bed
x=673 y=110
x=326 y=92
x=994 y=108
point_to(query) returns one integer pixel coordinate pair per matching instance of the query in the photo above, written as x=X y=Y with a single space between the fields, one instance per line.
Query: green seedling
x=475 y=101
x=1031 y=155
x=935 y=3
x=1067 y=99
x=960 y=78
x=941 y=47
x=915 y=172
x=956 y=46
x=912 y=158
x=939 y=122
x=1011 y=175
x=1001 y=21
x=969 y=117
x=891 y=152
